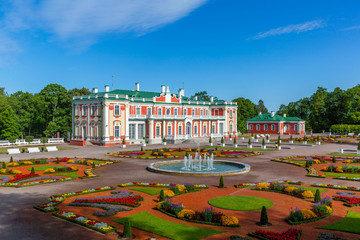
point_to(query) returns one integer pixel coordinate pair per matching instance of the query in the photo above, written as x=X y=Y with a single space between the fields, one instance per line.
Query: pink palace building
x=106 y=118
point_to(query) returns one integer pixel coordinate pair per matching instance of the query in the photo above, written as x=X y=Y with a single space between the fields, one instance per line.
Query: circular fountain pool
x=199 y=168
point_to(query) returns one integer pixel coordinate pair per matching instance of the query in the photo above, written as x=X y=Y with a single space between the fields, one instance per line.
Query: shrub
x=210 y=140
x=123 y=141
x=32 y=170
x=291 y=137
x=221 y=183
x=264 y=218
x=264 y=186
x=229 y=220
x=29 y=138
x=263 y=142
x=296 y=215
x=308 y=214
x=186 y=213
x=249 y=142
x=320 y=210
x=334 y=159
x=3 y=165
x=127 y=229
x=168 y=193
x=307 y=194
x=222 y=139
x=43 y=140
x=290 y=189
x=234 y=140
x=11 y=159
x=317 y=196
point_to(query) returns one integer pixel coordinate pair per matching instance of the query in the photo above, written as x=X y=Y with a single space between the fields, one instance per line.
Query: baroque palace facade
x=106 y=118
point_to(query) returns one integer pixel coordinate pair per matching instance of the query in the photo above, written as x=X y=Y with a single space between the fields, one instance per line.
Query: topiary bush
x=127 y=229
x=264 y=218
x=221 y=183
x=317 y=196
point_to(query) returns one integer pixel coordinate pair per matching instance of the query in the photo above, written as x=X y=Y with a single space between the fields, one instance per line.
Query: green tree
x=162 y=196
x=264 y=218
x=246 y=110
x=9 y=126
x=221 y=182
x=318 y=117
x=127 y=229
x=32 y=170
x=51 y=129
x=261 y=107
x=203 y=96
x=317 y=196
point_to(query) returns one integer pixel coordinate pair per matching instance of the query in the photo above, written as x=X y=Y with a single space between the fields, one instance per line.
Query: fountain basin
x=222 y=168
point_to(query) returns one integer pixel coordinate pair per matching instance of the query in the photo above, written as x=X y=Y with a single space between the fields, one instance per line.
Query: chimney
x=107 y=88
x=272 y=113
x=94 y=90
x=211 y=99
x=181 y=92
x=162 y=89
x=284 y=115
x=260 y=113
x=137 y=86
x=196 y=98
x=167 y=89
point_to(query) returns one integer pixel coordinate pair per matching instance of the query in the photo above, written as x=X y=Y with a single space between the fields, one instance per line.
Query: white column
x=105 y=122
x=175 y=129
x=88 y=122
x=127 y=112
x=136 y=131
x=164 y=127
x=151 y=129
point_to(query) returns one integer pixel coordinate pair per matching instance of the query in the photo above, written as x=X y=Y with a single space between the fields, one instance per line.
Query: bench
x=51 y=149
x=13 y=151
x=5 y=143
x=33 y=149
x=35 y=141
x=55 y=140
x=21 y=142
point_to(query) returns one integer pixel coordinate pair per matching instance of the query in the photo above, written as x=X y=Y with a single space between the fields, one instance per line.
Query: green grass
x=350 y=223
x=245 y=149
x=345 y=154
x=70 y=174
x=150 y=191
x=240 y=203
x=41 y=168
x=334 y=174
x=149 y=223
x=313 y=190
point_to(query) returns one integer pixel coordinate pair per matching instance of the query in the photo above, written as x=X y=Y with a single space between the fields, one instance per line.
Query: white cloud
x=86 y=20
x=293 y=28
x=357 y=27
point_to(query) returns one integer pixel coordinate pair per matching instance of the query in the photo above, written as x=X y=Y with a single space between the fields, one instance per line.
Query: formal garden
x=273 y=210
x=337 y=167
x=182 y=152
x=29 y=172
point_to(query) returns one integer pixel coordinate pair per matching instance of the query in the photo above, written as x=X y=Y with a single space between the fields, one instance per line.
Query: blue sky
x=278 y=51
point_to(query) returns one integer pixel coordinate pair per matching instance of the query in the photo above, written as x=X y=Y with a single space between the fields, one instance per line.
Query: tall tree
x=261 y=107
x=203 y=96
x=9 y=127
x=318 y=117
x=246 y=110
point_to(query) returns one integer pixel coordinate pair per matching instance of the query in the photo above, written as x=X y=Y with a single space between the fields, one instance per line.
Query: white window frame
x=193 y=112
x=138 y=111
x=231 y=113
x=175 y=111
x=201 y=112
x=168 y=111
x=250 y=127
x=204 y=129
x=159 y=111
x=272 y=127
x=180 y=130
x=83 y=110
x=265 y=127
x=149 y=111
x=117 y=131
x=257 y=127
x=185 y=111
x=92 y=110
x=169 y=127
x=206 y=112
x=157 y=131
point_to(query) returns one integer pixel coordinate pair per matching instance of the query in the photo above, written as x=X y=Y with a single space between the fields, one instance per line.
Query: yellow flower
x=229 y=220
x=181 y=188
x=27 y=162
x=2 y=170
x=307 y=194
x=290 y=189
x=49 y=170
x=186 y=213
x=168 y=193
x=308 y=214
x=158 y=205
x=263 y=186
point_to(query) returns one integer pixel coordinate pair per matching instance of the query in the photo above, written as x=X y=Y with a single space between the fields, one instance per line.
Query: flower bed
x=290 y=234
x=336 y=187
x=57 y=199
x=245 y=185
x=319 y=211
x=280 y=188
x=208 y=216
x=22 y=176
x=350 y=199
x=161 y=185
x=87 y=222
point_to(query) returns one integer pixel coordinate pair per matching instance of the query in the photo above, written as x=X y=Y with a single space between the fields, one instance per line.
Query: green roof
x=131 y=93
x=277 y=118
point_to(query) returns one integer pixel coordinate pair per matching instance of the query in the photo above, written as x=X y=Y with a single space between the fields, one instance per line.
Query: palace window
x=83 y=110
x=295 y=127
x=185 y=112
x=168 y=111
x=132 y=129
x=175 y=111
x=193 y=112
x=157 y=131
x=213 y=129
x=265 y=127
x=207 y=112
x=221 y=127
x=204 y=129
x=195 y=129
x=169 y=132
x=159 y=111
x=138 y=111
x=117 y=130
x=141 y=128
x=201 y=112
x=272 y=127
x=180 y=130
x=231 y=113
x=231 y=128
x=117 y=110
x=92 y=110
x=251 y=126
x=257 y=127
x=148 y=111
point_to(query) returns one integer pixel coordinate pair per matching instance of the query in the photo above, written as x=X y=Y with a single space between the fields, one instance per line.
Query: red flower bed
x=353 y=201
x=290 y=234
x=22 y=176
x=64 y=159
x=122 y=201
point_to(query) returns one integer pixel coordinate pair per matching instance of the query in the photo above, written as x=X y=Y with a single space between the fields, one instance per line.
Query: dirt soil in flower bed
x=199 y=200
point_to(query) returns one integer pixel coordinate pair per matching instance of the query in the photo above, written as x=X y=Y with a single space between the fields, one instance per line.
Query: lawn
x=333 y=174
x=41 y=168
x=344 y=154
x=350 y=223
x=150 y=191
x=149 y=223
x=313 y=190
x=241 y=203
x=70 y=174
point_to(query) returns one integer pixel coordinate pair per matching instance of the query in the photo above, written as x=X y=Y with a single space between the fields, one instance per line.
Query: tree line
x=49 y=111
x=40 y=114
